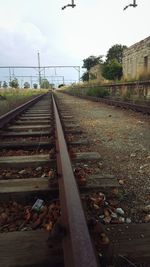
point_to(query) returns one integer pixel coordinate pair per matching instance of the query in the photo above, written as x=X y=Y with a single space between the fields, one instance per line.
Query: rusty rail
x=127 y=105
x=77 y=244
x=6 y=118
x=122 y=104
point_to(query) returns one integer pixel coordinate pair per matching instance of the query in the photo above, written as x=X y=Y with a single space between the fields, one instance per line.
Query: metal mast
x=39 y=69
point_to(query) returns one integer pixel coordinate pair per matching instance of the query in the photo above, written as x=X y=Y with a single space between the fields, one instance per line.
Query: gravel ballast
x=122 y=137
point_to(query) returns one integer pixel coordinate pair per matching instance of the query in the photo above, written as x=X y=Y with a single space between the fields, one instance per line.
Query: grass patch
x=98 y=92
x=12 y=98
x=127 y=96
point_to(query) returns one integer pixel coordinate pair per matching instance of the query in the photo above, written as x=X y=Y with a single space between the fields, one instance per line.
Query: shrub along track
x=34 y=163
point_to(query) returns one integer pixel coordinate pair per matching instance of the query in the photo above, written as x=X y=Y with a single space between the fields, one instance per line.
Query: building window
x=146 y=62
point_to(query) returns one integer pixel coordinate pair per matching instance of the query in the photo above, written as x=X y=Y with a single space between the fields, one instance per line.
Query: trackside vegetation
x=12 y=98
x=98 y=92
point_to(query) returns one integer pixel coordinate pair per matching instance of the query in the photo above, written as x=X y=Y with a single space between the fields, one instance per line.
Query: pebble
x=133 y=155
x=143 y=166
x=7 y=174
x=101 y=216
x=96 y=207
x=104 y=239
x=50 y=174
x=22 y=171
x=147 y=218
x=121 y=182
x=3 y=218
x=43 y=175
x=120 y=211
x=128 y=220
x=146 y=208
x=142 y=236
x=107 y=219
x=24 y=229
x=38 y=168
x=121 y=219
x=114 y=215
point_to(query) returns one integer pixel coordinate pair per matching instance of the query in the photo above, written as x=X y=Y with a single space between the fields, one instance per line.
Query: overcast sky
x=67 y=37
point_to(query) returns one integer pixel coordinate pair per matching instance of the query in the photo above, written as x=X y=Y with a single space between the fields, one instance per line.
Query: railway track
x=42 y=221
x=117 y=103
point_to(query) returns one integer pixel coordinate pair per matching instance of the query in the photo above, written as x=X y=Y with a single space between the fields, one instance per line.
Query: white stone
x=120 y=211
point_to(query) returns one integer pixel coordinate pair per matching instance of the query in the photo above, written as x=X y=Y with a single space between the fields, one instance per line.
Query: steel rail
x=77 y=245
x=127 y=105
x=6 y=118
x=109 y=101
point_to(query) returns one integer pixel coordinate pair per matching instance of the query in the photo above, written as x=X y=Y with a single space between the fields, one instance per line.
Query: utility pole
x=44 y=73
x=31 y=81
x=13 y=74
x=79 y=73
x=21 y=82
x=39 y=69
x=10 y=75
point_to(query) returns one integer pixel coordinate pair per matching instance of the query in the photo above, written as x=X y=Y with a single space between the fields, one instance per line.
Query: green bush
x=12 y=98
x=112 y=70
x=127 y=96
x=98 y=92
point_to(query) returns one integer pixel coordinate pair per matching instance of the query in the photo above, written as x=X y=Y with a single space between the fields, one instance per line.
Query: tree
x=115 y=52
x=5 y=85
x=35 y=85
x=0 y=84
x=91 y=62
x=61 y=85
x=26 y=85
x=112 y=70
x=45 y=84
x=14 y=83
x=85 y=77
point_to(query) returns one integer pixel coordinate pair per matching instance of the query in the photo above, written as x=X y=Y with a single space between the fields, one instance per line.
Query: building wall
x=136 y=60
x=95 y=73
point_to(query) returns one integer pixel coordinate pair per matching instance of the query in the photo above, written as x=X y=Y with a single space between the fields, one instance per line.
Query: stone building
x=136 y=60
